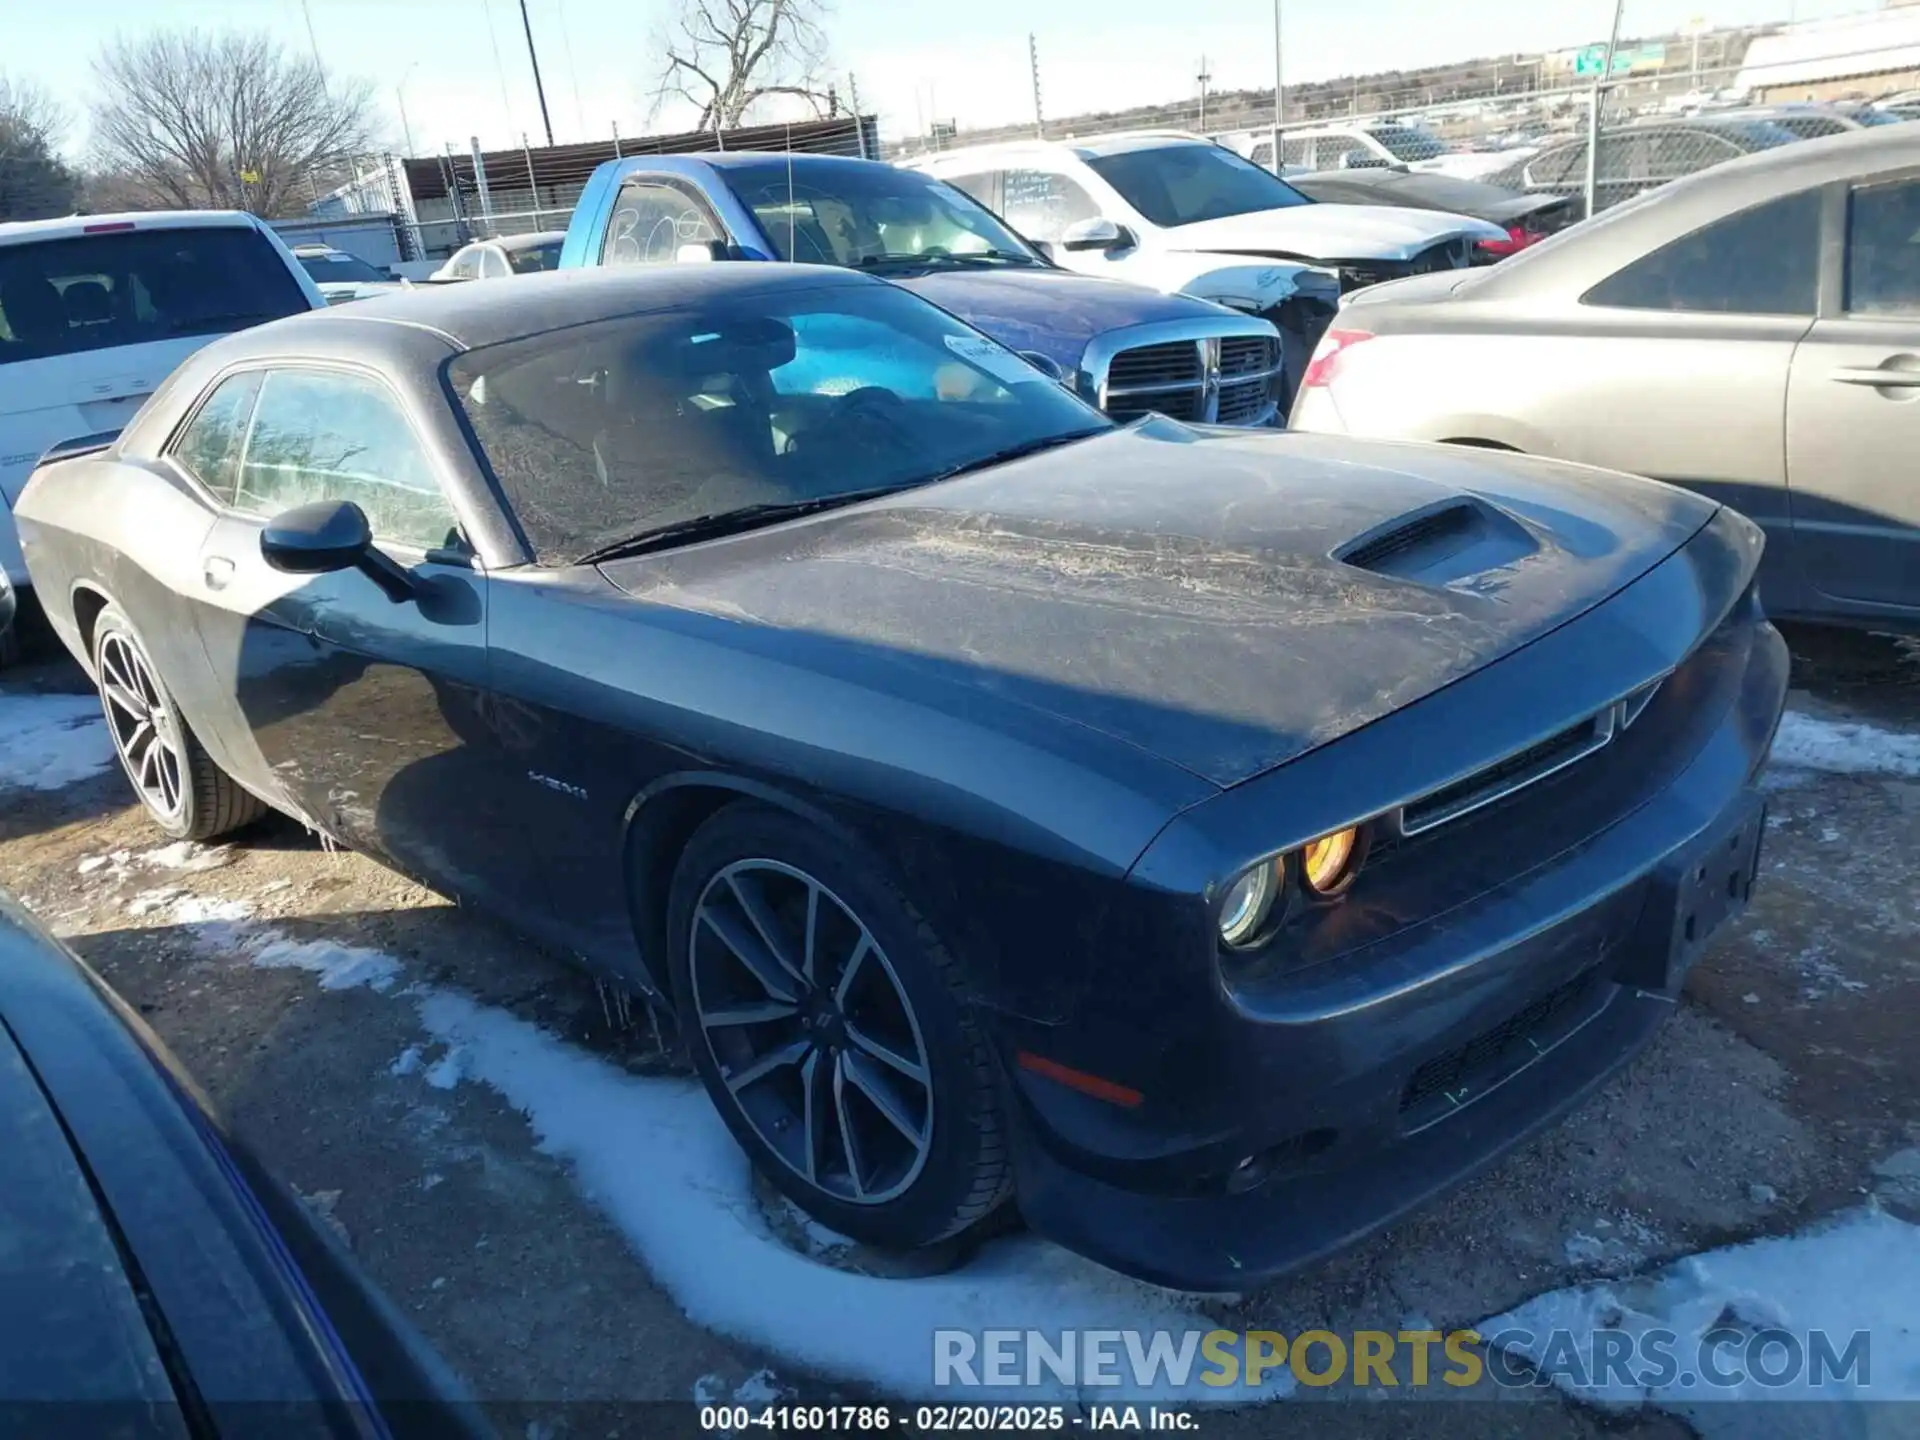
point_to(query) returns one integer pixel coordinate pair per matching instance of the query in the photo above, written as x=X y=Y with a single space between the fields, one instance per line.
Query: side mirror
x=1045 y=250
x=1045 y=364
x=328 y=536
x=1099 y=233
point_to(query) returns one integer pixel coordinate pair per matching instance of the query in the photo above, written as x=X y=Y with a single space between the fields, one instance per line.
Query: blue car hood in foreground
x=1055 y=312
x=1178 y=589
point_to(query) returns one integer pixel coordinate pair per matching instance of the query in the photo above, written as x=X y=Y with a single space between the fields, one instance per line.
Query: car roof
x=529 y=240
x=13 y=232
x=470 y=316
x=1086 y=147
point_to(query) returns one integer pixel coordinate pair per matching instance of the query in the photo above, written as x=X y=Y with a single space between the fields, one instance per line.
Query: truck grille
x=1228 y=380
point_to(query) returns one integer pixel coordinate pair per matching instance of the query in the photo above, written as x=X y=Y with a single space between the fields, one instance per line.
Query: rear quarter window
x=98 y=292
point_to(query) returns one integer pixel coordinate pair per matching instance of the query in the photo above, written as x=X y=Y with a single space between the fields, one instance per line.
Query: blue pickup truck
x=1125 y=348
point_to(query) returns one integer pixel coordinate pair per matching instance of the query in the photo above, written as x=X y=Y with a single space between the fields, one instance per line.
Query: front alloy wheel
x=826 y=1020
x=813 y=1034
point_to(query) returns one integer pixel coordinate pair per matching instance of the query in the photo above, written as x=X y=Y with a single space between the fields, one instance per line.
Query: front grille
x=1246 y=355
x=1483 y=787
x=1459 y=1075
x=1170 y=366
x=1171 y=379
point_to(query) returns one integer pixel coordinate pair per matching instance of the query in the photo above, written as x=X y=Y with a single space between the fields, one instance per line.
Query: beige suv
x=1752 y=332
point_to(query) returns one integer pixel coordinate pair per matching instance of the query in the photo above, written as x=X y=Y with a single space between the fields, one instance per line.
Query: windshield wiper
x=968 y=257
x=730 y=522
x=1019 y=452
x=233 y=317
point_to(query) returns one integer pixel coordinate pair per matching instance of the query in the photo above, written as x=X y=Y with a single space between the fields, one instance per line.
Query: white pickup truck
x=97 y=310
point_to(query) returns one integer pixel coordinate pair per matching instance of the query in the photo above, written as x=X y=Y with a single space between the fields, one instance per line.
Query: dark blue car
x=1219 y=841
x=1125 y=348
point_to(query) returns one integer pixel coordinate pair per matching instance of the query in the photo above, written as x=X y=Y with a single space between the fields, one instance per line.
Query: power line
x=499 y=67
x=566 y=41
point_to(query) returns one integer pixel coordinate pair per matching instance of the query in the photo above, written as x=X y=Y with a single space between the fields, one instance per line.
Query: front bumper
x=1362 y=1088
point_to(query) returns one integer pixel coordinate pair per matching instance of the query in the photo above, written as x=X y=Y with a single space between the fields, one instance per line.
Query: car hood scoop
x=1226 y=600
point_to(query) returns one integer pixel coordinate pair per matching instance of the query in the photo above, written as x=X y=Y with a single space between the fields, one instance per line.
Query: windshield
x=600 y=433
x=870 y=216
x=94 y=292
x=532 y=258
x=335 y=267
x=1406 y=142
x=1184 y=184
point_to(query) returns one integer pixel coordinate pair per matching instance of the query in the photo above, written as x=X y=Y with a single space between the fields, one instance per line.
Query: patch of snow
x=52 y=741
x=340 y=967
x=709 y=1390
x=215 y=913
x=406 y=1062
x=148 y=901
x=1845 y=747
x=759 y=1388
x=188 y=855
x=446 y=1072
x=1762 y=1194
x=114 y=862
x=1857 y=1273
x=685 y=1200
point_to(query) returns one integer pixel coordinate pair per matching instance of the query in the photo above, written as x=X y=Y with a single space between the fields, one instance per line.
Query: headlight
x=1243 y=914
x=1327 y=864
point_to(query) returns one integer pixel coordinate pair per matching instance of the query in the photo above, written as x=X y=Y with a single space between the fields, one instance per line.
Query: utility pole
x=1593 y=114
x=1033 y=62
x=538 y=88
x=1204 y=77
x=1279 y=84
x=312 y=43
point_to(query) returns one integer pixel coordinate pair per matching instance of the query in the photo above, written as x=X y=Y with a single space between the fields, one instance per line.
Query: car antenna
x=791 y=218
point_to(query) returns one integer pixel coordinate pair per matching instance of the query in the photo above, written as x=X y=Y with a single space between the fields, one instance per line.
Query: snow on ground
x=1857 y=1272
x=1848 y=747
x=684 y=1197
x=48 y=742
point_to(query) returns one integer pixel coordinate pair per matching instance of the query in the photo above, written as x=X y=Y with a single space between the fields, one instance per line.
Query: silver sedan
x=1752 y=332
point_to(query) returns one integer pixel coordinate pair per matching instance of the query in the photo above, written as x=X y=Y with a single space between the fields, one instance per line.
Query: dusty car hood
x=1330 y=232
x=1055 y=312
x=1175 y=588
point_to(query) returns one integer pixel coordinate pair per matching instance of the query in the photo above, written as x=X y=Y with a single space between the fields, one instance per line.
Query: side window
x=651 y=221
x=985 y=188
x=1556 y=167
x=1262 y=154
x=1763 y=261
x=1883 y=249
x=324 y=435
x=493 y=265
x=1041 y=205
x=209 y=448
x=1297 y=154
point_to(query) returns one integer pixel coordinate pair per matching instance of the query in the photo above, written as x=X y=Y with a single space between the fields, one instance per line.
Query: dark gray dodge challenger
x=1216 y=842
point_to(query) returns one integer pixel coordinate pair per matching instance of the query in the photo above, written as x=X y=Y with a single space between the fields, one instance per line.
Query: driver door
x=364 y=714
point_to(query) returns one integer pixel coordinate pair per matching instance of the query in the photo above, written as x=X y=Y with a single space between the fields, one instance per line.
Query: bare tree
x=723 y=56
x=34 y=181
x=228 y=121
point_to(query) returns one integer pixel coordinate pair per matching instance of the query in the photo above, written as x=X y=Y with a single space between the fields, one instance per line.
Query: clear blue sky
x=958 y=59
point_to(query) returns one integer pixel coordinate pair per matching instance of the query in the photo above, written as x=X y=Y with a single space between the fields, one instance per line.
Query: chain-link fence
x=1660 y=107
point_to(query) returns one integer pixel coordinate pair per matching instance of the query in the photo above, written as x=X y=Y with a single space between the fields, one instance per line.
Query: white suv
x=97 y=310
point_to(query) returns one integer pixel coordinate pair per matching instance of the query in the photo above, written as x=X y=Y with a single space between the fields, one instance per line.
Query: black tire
x=208 y=801
x=964 y=1170
x=10 y=651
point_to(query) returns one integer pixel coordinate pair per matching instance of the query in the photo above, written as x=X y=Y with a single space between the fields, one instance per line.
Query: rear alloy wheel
x=823 y=1018
x=183 y=791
